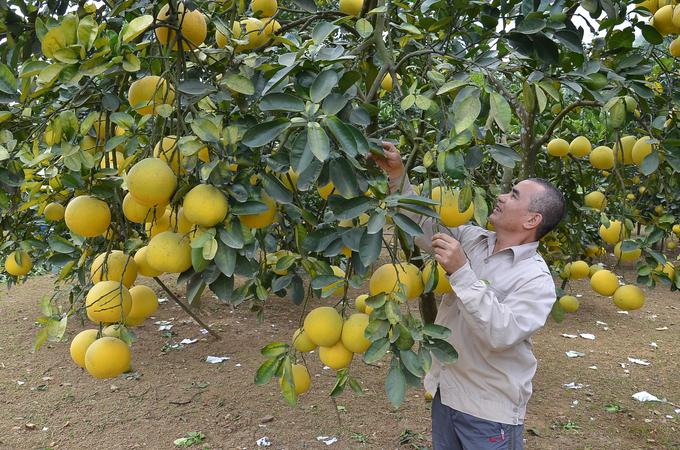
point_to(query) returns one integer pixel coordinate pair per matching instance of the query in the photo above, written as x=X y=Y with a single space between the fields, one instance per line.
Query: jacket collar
x=520 y=252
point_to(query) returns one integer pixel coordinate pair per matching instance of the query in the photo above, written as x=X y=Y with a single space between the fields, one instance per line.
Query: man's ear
x=534 y=221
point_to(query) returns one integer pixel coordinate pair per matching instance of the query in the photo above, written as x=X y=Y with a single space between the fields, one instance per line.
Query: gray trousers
x=455 y=430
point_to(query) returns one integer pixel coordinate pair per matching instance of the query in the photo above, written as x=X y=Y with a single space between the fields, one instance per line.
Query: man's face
x=512 y=209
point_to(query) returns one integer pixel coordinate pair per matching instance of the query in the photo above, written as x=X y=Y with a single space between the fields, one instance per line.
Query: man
x=502 y=294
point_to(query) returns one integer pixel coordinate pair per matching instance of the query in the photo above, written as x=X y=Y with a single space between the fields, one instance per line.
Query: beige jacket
x=499 y=301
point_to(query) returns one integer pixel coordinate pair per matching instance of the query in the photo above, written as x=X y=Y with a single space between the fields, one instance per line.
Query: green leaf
x=344 y=177
x=241 y=84
x=425 y=359
x=467 y=113
x=287 y=386
x=319 y=240
x=137 y=26
x=317 y=139
x=32 y=68
x=411 y=362
x=206 y=130
x=436 y=331
x=323 y=85
x=39 y=339
x=407 y=224
x=45 y=306
x=343 y=135
x=407 y=102
x=266 y=132
x=557 y=312
x=267 y=370
x=501 y=111
x=356 y=387
x=442 y=350
x=232 y=237
x=275 y=349
x=531 y=26
x=339 y=385
x=650 y=163
x=364 y=28
x=353 y=207
x=249 y=207
x=8 y=84
x=279 y=101
x=395 y=386
x=393 y=312
x=88 y=31
x=95 y=66
x=376 y=350
x=321 y=31
x=370 y=246
x=60 y=245
x=225 y=258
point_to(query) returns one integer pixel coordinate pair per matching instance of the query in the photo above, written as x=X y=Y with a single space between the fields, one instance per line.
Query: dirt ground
x=51 y=403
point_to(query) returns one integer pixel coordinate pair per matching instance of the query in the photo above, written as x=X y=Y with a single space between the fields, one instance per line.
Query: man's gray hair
x=550 y=204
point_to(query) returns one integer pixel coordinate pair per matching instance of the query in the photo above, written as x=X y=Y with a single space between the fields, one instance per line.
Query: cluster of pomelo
x=665 y=19
x=254 y=31
x=629 y=150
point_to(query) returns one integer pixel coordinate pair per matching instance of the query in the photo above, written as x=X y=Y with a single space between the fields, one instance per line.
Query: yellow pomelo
x=640 y=150
x=593 y=269
x=90 y=145
x=143 y=267
x=671 y=246
x=111 y=267
x=558 y=147
x=169 y=252
x=612 y=234
x=149 y=92
x=287 y=181
x=596 y=200
x=676 y=229
x=569 y=303
x=268 y=7
x=624 y=152
x=387 y=83
x=15 y=269
x=132 y=322
x=351 y=7
x=629 y=298
x=602 y=158
x=262 y=220
x=323 y=326
x=360 y=302
x=674 y=48
x=651 y=5
x=192 y=23
x=113 y=160
x=249 y=29
x=626 y=256
x=141 y=214
x=168 y=150
x=107 y=357
x=580 y=147
x=443 y=285
x=100 y=124
x=80 y=344
x=579 y=269
x=387 y=279
x=417 y=287
x=54 y=211
x=663 y=21
x=604 y=282
x=151 y=182
x=302 y=342
x=271 y=26
x=327 y=190
x=205 y=205
x=428 y=396
x=337 y=287
x=144 y=302
x=108 y=301
x=567 y=270
x=668 y=269
x=451 y=216
x=301 y=379
x=113 y=330
x=87 y=216
x=335 y=356
x=170 y=221
x=353 y=333
x=220 y=39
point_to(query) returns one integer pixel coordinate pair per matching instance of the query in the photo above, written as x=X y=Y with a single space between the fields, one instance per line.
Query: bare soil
x=51 y=403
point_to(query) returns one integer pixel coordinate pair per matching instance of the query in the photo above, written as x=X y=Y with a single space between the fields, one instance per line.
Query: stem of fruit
x=186 y=309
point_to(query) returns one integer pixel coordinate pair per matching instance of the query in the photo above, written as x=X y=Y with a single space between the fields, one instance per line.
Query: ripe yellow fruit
x=271 y=26
x=558 y=147
x=351 y=7
x=667 y=269
x=428 y=396
x=54 y=211
x=132 y=322
x=141 y=214
x=149 y=92
x=629 y=298
x=107 y=357
x=579 y=269
x=90 y=144
x=87 y=216
x=193 y=27
x=335 y=356
x=604 y=282
x=387 y=83
x=626 y=256
x=671 y=246
x=168 y=150
x=651 y=5
x=337 y=287
x=268 y=7
x=323 y=326
x=353 y=333
x=567 y=270
x=640 y=150
x=169 y=252
x=387 y=279
x=100 y=125
x=170 y=221
x=630 y=197
x=443 y=286
x=151 y=182
x=593 y=269
x=580 y=147
x=144 y=302
x=360 y=302
x=15 y=269
x=293 y=177
x=302 y=342
x=327 y=190
x=663 y=21
x=301 y=379
x=569 y=303
x=602 y=158
x=108 y=301
x=658 y=209
x=205 y=205
x=143 y=267
x=596 y=200
x=111 y=268
x=262 y=220
x=624 y=152
x=113 y=331
x=113 y=160
x=451 y=216
x=417 y=287
x=674 y=48
x=612 y=234
x=249 y=29
x=80 y=344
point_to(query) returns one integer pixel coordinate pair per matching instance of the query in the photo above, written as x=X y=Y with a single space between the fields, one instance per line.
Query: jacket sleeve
x=501 y=325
